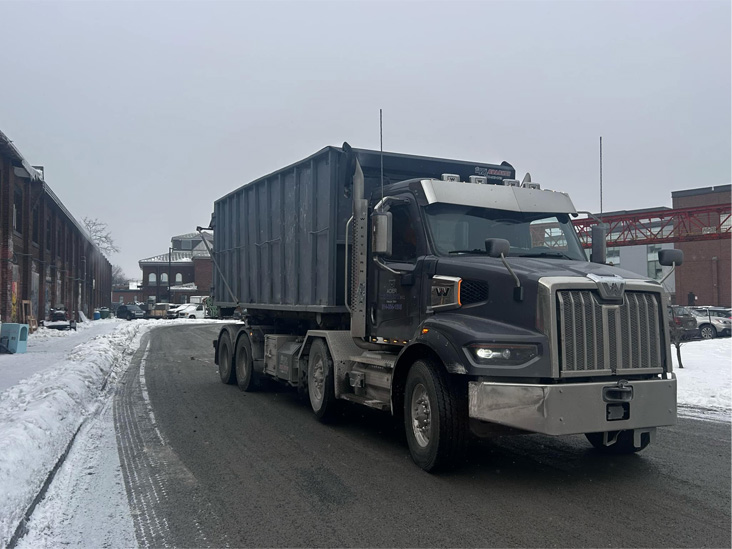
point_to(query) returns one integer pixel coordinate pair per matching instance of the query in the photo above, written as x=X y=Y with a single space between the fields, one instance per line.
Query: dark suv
x=681 y=317
x=130 y=312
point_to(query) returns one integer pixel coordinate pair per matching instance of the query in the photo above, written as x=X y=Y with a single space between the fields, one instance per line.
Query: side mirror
x=669 y=257
x=494 y=247
x=381 y=236
x=599 y=248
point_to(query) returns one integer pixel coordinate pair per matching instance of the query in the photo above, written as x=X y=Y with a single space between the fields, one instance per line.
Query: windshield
x=457 y=229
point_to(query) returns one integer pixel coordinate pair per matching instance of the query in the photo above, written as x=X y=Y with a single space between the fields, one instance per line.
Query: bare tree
x=678 y=338
x=100 y=235
x=118 y=276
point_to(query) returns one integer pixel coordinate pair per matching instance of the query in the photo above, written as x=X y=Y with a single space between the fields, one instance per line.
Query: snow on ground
x=705 y=381
x=67 y=377
x=46 y=395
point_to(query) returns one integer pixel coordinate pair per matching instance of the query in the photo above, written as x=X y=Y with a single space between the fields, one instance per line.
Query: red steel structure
x=660 y=226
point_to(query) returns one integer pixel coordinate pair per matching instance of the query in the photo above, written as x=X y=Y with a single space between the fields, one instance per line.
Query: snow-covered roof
x=178 y=256
x=189 y=286
x=191 y=236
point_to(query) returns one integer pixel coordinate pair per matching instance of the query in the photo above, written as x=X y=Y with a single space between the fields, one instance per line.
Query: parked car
x=712 y=321
x=681 y=317
x=174 y=309
x=193 y=311
x=130 y=312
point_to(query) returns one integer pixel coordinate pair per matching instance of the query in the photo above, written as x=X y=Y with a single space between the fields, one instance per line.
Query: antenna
x=381 y=145
x=600 y=175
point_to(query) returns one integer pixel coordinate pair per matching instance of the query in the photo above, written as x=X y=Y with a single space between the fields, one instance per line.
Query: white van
x=192 y=311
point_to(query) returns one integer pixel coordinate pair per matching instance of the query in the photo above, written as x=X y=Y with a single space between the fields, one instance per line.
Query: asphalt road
x=207 y=465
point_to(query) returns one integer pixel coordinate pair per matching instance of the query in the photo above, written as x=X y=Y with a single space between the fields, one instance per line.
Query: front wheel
x=435 y=416
x=707 y=332
x=321 y=386
x=623 y=444
x=226 y=359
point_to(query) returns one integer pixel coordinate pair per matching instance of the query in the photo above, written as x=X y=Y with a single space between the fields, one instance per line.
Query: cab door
x=394 y=310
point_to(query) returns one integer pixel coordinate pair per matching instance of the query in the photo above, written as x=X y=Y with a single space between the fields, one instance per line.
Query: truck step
x=370 y=402
x=384 y=360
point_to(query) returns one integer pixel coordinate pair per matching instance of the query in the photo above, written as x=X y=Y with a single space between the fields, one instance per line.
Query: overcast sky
x=144 y=113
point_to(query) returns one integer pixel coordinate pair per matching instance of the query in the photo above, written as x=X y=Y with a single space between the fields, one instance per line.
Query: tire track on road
x=155 y=478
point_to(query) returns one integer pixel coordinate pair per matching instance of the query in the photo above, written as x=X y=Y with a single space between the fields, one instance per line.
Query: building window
x=164 y=279
x=612 y=256
x=178 y=278
x=18 y=209
x=152 y=280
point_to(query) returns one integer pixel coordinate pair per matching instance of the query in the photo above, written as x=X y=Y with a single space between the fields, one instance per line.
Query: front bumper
x=574 y=408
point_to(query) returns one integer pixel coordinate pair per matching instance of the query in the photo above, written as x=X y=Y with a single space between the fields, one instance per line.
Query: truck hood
x=534 y=268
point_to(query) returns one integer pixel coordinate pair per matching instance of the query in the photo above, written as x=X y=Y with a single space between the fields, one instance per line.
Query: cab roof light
x=511 y=182
x=478 y=179
x=450 y=177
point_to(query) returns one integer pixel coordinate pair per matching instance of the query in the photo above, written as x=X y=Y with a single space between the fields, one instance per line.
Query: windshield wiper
x=476 y=251
x=545 y=254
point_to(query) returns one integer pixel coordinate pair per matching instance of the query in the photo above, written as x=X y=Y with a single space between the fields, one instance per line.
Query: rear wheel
x=321 y=387
x=707 y=332
x=226 y=370
x=246 y=378
x=435 y=416
x=623 y=443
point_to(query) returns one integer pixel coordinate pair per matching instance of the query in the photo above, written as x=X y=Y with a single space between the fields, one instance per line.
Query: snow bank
x=705 y=381
x=41 y=414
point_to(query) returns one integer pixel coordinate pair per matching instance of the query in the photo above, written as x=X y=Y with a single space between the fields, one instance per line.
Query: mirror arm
x=510 y=270
x=385 y=267
x=668 y=274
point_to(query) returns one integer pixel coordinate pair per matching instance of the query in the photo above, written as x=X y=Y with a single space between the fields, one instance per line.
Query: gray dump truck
x=441 y=291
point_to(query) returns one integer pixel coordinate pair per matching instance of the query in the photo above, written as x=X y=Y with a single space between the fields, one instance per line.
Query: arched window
x=152 y=279
x=164 y=278
x=178 y=278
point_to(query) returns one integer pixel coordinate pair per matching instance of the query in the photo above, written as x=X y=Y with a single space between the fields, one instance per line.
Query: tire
x=623 y=444
x=192 y=316
x=226 y=360
x=246 y=378
x=435 y=416
x=707 y=331
x=321 y=386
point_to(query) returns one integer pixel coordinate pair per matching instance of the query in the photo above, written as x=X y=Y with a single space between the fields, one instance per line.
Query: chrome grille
x=602 y=338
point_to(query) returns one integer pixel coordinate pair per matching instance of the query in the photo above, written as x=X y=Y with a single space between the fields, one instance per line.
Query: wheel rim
x=316 y=381
x=421 y=415
x=706 y=332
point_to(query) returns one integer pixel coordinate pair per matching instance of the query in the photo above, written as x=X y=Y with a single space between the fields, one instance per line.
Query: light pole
x=170 y=253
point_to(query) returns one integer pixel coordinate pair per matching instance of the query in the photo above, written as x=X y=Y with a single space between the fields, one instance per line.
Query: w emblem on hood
x=610 y=287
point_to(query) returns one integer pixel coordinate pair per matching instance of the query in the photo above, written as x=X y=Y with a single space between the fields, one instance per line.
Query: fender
x=447 y=335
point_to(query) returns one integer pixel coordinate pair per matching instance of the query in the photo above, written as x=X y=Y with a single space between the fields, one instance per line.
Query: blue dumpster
x=97 y=315
x=14 y=337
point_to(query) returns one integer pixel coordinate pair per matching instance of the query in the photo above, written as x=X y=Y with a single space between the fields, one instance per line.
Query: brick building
x=705 y=277
x=46 y=257
x=184 y=270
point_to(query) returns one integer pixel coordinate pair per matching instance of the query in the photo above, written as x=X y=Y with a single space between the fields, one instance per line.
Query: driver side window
x=404 y=235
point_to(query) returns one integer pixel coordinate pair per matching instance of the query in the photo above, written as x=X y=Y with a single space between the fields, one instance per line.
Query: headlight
x=508 y=354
